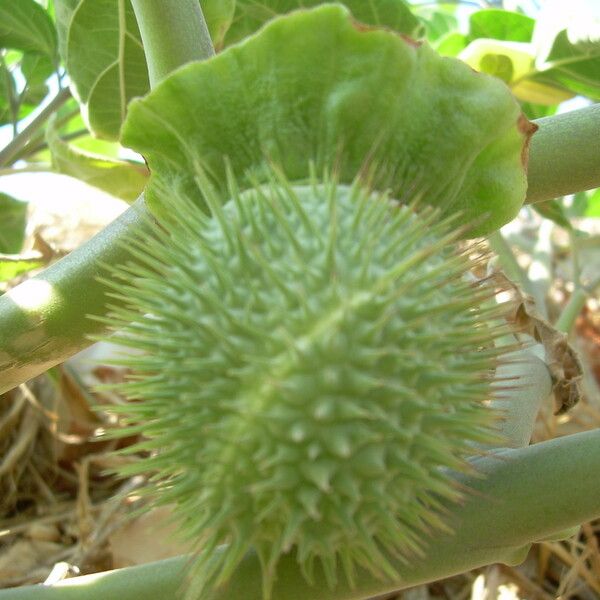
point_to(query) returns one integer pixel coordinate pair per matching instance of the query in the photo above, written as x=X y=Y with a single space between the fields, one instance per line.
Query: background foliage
x=69 y=68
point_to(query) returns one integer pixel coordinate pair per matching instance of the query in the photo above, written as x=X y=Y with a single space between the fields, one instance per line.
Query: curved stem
x=526 y=495
x=12 y=149
x=565 y=154
x=45 y=320
x=174 y=32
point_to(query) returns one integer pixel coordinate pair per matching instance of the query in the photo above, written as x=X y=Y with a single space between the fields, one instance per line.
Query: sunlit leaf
x=451 y=44
x=25 y=25
x=567 y=38
x=13 y=265
x=13 y=219
x=593 y=207
x=439 y=24
x=501 y=25
x=514 y=63
x=104 y=57
x=117 y=177
x=36 y=68
x=537 y=111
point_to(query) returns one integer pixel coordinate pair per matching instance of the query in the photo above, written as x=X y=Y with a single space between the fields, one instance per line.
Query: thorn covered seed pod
x=313 y=366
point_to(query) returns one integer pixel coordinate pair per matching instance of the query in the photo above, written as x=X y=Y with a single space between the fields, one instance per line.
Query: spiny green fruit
x=313 y=368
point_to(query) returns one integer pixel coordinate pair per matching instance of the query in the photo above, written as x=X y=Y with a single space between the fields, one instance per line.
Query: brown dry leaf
x=146 y=539
x=562 y=360
x=24 y=556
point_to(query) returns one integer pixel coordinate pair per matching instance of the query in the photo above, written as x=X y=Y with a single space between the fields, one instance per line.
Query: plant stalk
x=568 y=316
x=515 y=504
x=564 y=157
x=174 y=33
x=12 y=149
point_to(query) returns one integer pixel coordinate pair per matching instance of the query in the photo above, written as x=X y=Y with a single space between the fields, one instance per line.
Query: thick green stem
x=12 y=149
x=515 y=504
x=45 y=320
x=565 y=155
x=174 y=33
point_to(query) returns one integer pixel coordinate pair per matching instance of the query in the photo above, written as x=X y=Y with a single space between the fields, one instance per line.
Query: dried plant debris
x=563 y=362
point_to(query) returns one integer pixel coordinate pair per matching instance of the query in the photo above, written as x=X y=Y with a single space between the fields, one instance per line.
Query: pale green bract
x=315 y=85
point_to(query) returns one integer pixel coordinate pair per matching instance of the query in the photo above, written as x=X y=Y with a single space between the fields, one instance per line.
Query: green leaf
x=439 y=24
x=117 y=177
x=586 y=204
x=7 y=91
x=567 y=37
x=104 y=58
x=13 y=219
x=36 y=68
x=25 y=25
x=64 y=12
x=13 y=265
x=101 y=45
x=219 y=16
x=514 y=63
x=451 y=44
x=250 y=15
x=501 y=25
x=553 y=210
x=593 y=207
x=377 y=100
x=537 y=111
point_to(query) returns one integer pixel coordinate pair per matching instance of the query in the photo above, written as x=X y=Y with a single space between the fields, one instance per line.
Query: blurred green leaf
x=13 y=219
x=593 y=207
x=36 y=68
x=567 y=39
x=439 y=24
x=514 y=63
x=250 y=15
x=25 y=25
x=553 y=210
x=500 y=25
x=7 y=91
x=219 y=16
x=537 y=111
x=117 y=177
x=13 y=265
x=586 y=204
x=452 y=44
